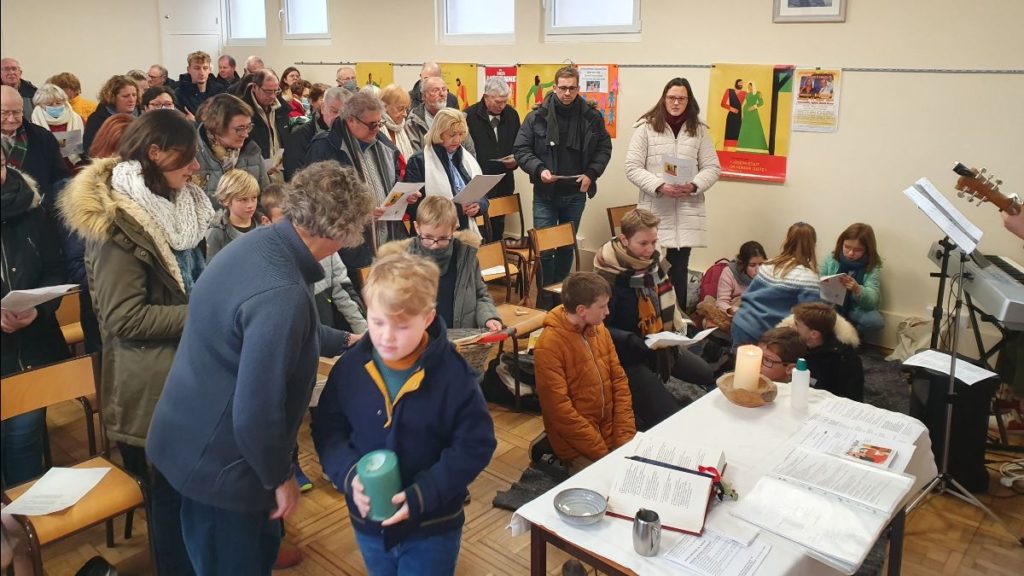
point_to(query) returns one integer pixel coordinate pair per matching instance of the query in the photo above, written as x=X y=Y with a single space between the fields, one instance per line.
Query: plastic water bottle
x=800 y=386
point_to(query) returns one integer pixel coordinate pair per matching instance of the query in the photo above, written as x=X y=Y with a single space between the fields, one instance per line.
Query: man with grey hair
x=226 y=71
x=253 y=64
x=297 y=144
x=157 y=75
x=435 y=98
x=346 y=77
x=429 y=70
x=227 y=419
x=29 y=148
x=493 y=125
x=355 y=140
x=270 y=116
x=10 y=75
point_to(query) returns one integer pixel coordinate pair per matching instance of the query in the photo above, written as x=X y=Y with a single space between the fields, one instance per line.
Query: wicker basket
x=476 y=355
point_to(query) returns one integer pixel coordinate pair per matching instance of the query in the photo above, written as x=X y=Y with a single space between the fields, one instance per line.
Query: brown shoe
x=288 y=555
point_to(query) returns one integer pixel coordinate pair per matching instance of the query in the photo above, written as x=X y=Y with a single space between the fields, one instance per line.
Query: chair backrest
x=491 y=255
x=504 y=206
x=615 y=214
x=364 y=273
x=69 y=310
x=41 y=387
x=544 y=239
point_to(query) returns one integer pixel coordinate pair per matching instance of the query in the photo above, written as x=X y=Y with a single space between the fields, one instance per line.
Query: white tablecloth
x=753 y=440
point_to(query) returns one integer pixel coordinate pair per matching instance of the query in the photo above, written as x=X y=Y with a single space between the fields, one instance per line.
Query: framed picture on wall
x=809 y=11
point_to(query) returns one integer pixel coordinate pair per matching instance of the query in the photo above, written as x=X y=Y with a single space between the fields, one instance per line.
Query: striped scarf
x=656 y=298
x=18 y=148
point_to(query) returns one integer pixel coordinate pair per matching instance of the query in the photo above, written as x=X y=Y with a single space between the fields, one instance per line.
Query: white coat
x=682 y=219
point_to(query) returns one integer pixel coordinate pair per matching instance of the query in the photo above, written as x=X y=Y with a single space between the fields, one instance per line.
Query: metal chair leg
x=110 y=533
x=515 y=377
x=128 y=520
x=90 y=426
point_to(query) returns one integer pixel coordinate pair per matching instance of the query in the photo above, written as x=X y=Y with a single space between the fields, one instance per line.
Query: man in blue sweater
x=227 y=420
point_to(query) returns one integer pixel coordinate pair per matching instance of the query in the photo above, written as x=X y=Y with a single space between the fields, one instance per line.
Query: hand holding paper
x=398 y=199
x=19 y=301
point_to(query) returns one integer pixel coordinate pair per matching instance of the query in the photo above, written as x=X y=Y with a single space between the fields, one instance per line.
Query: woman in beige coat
x=672 y=129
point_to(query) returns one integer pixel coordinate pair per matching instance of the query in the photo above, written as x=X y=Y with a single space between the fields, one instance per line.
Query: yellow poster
x=461 y=81
x=750 y=108
x=533 y=83
x=378 y=74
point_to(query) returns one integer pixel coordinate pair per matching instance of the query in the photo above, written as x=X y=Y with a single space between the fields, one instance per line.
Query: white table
x=753 y=440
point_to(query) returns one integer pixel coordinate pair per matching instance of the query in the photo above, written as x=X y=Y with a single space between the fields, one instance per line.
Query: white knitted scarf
x=437 y=177
x=69 y=117
x=183 y=221
x=401 y=140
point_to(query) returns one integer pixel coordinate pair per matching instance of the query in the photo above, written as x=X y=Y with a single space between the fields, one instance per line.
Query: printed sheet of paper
x=857 y=483
x=477 y=188
x=398 y=200
x=22 y=300
x=676 y=170
x=681 y=498
x=940 y=362
x=849 y=443
x=593 y=78
x=274 y=161
x=492 y=270
x=504 y=159
x=942 y=212
x=832 y=290
x=866 y=418
x=677 y=453
x=714 y=555
x=58 y=489
x=70 y=142
x=669 y=339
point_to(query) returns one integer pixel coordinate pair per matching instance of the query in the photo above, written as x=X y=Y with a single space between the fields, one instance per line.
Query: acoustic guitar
x=975 y=184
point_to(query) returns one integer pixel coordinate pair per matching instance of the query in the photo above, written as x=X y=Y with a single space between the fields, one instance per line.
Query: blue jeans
x=433 y=556
x=223 y=541
x=867 y=322
x=22 y=440
x=163 y=513
x=551 y=210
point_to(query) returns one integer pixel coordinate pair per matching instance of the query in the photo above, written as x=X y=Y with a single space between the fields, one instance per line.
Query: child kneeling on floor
x=405 y=389
x=832 y=355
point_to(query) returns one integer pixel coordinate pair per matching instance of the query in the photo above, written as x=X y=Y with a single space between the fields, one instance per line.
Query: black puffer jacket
x=30 y=258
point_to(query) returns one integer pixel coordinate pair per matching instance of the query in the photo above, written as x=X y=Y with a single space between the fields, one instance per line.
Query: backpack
x=709 y=282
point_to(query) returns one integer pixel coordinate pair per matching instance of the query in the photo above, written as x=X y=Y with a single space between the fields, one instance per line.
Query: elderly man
x=421 y=118
x=346 y=77
x=30 y=148
x=195 y=86
x=226 y=422
x=270 y=118
x=226 y=73
x=10 y=73
x=564 y=136
x=429 y=70
x=253 y=64
x=355 y=140
x=157 y=75
x=297 y=144
x=493 y=125
x=69 y=83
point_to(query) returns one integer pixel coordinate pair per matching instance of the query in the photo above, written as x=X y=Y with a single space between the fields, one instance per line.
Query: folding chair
x=615 y=214
x=551 y=238
x=118 y=493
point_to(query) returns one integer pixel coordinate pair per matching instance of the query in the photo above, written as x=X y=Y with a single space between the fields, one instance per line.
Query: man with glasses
x=10 y=74
x=493 y=125
x=301 y=137
x=30 y=149
x=270 y=118
x=195 y=86
x=158 y=76
x=355 y=141
x=564 y=147
x=435 y=97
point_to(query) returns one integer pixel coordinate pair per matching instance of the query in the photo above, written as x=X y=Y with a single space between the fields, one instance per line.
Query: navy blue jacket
x=188 y=95
x=439 y=428
x=226 y=422
x=416 y=171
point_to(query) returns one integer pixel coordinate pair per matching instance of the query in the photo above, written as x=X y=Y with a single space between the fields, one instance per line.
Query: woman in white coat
x=672 y=128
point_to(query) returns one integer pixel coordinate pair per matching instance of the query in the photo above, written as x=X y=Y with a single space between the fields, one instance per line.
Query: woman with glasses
x=462 y=297
x=446 y=167
x=53 y=112
x=119 y=95
x=672 y=130
x=225 y=123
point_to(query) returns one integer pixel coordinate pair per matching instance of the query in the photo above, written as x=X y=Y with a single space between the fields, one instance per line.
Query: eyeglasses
x=270 y=92
x=242 y=129
x=369 y=125
x=677 y=99
x=429 y=242
x=11 y=113
x=567 y=89
x=770 y=363
x=151 y=77
x=161 y=105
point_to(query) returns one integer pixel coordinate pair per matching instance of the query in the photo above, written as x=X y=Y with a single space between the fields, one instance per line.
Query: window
x=580 y=17
x=475 y=22
x=306 y=19
x=246 y=20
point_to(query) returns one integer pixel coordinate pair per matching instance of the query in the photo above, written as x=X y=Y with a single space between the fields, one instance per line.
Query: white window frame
x=444 y=38
x=624 y=33
x=229 y=40
x=282 y=16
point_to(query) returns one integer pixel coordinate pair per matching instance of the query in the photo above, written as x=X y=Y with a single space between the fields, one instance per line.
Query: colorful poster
x=750 y=108
x=534 y=83
x=461 y=81
x=599 y=84
x=816 y=108
x=506 y=73
x=378 y=74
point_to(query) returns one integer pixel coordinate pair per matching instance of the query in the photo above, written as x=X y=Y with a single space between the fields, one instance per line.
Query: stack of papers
x=714 y=555
x=58 y=489
x=934 y=360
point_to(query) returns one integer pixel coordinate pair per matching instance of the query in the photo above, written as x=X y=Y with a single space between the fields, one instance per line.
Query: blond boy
x=238 y=194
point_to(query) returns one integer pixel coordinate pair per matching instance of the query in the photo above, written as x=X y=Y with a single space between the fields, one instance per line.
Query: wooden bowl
x=765 y=393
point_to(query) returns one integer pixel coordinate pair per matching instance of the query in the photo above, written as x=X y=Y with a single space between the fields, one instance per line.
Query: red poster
x=506 y=73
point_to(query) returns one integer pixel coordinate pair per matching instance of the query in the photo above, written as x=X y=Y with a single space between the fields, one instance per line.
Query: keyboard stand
x=975 y=314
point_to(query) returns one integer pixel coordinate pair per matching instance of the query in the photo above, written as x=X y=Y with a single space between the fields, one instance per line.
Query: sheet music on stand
x=941 y=211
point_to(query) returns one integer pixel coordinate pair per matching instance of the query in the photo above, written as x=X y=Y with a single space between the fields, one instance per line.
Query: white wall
x=894 y=127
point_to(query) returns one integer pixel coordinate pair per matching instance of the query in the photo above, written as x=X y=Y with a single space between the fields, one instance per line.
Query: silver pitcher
x=646 y=532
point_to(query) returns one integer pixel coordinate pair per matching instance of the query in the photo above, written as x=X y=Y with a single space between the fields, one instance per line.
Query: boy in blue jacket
x=405 y=389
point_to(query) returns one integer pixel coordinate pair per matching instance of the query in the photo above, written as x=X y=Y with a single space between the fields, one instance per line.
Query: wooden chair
x=118 y=493
x=522 y=321
x=615 y=214
x=492 y=256
x=507 y=206
x=551 y=238
x=69 y=317
x=363 y=274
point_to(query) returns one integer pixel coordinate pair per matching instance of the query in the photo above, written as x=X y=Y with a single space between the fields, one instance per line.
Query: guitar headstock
x=979 y=185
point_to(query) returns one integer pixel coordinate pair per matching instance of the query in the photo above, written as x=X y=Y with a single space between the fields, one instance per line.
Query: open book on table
x=664 y=476
x=833 y=506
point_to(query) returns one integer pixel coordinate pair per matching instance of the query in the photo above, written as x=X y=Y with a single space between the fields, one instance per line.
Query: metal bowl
x=580 y=506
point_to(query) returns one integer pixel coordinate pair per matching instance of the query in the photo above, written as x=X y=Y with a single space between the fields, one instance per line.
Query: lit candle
x=748 y=367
